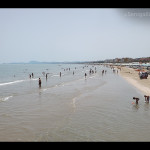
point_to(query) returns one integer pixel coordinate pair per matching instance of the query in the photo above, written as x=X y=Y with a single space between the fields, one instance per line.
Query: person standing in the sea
x=40 y=82
x=32 y=75
x=85 y=75
x=146 y=98
x=46 y=77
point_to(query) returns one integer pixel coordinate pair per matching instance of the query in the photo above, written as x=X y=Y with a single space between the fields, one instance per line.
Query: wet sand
x=131 y=75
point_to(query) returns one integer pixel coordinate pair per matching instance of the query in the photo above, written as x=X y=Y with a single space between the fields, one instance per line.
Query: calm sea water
x=70 y=107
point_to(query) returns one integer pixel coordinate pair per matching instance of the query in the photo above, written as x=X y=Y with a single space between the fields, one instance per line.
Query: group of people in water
x=146 y=99
x=91 y=71
x=31 y=75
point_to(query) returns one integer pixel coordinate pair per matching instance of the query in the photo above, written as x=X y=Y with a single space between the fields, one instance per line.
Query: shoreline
x=132 y=77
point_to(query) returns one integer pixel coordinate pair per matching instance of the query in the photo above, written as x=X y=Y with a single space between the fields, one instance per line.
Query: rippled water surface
x=70 y=107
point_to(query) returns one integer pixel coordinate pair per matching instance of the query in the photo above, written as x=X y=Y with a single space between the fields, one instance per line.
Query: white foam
x=35 y=79
x=5 y=98
x=13 y=82
x=44 y=90
x=55 y=75
x=92 y=77
x=74 y=102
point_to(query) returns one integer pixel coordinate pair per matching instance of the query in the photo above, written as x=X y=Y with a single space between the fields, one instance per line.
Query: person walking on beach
x=40 y=82
x=60 y=74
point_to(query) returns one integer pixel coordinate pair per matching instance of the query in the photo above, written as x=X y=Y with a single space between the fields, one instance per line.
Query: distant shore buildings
x=141 y=60
x=128 y=60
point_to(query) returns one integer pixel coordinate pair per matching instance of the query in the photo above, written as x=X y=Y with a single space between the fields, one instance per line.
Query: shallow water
x=71 y=108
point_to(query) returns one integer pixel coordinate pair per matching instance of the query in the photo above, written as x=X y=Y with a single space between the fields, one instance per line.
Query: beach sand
x=131 y=75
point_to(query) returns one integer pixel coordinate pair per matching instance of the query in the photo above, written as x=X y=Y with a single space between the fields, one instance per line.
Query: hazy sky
x=73 y=34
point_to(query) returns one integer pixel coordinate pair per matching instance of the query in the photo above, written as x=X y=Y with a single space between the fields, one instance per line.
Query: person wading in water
x=40 y=82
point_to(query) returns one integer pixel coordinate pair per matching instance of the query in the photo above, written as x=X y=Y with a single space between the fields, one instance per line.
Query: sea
x=70 y=107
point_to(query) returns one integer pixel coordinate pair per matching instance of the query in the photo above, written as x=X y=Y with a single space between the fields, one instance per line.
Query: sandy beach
x=131 y=75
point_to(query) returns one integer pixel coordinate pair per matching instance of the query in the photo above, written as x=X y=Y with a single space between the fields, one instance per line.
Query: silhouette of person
x=85 y=75
x=146 y=98
x=137 y=99
x=40 y=82
x=46 y=76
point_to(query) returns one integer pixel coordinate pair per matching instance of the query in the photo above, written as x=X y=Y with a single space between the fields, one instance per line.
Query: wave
x=56 y=75
x=3 y=99
x=74 y=101
x=35 y=79
x=92 y=77
x=17 y=81
x=13 y=82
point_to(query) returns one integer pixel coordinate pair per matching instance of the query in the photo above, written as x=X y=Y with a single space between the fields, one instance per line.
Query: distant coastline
x=113 y=61
x=64 y=62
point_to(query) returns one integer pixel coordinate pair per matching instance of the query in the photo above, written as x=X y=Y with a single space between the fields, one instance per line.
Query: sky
x=73 y=34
